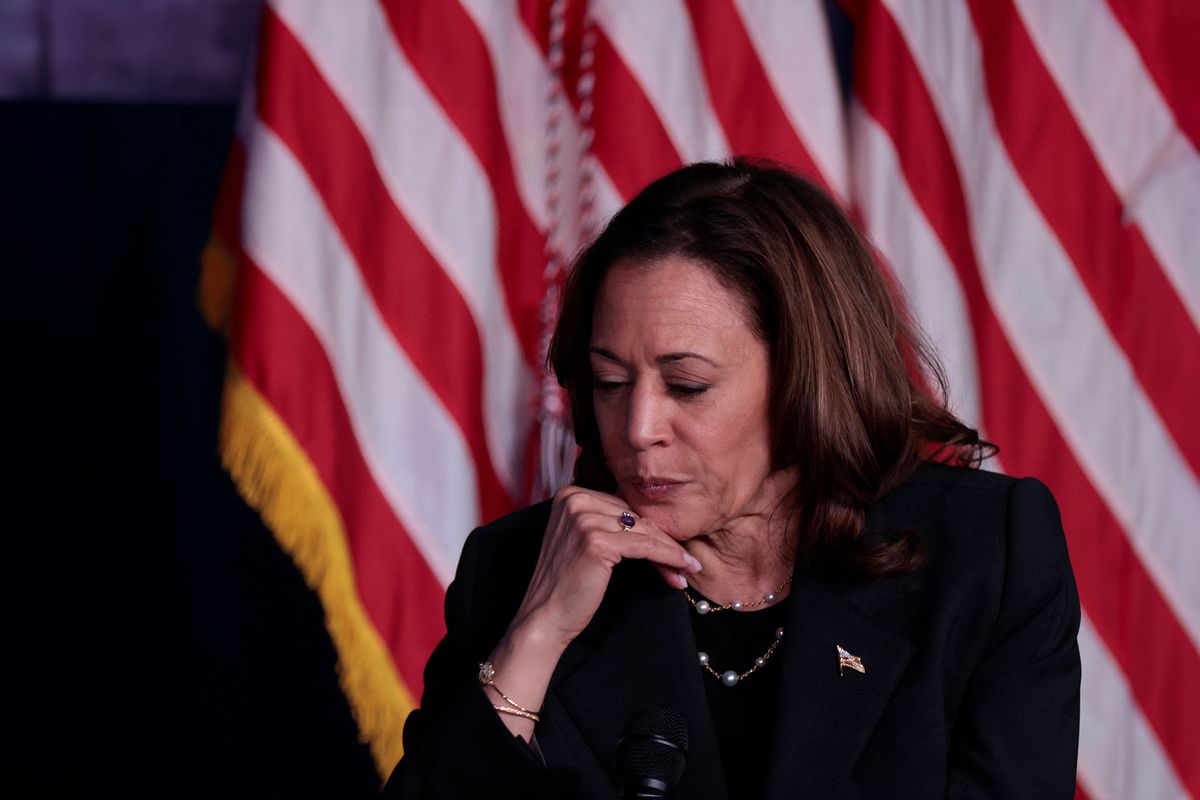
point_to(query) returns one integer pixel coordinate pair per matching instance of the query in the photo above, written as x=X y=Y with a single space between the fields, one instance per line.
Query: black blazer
x=972 y=669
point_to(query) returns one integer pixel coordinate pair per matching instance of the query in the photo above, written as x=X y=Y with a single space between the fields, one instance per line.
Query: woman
x=758 y=538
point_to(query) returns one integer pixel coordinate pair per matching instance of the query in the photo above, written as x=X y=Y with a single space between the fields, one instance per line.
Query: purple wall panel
x=20 y=48
x=126 y=50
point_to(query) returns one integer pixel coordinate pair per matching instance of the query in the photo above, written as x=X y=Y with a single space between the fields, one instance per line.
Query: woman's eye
x=680 y=389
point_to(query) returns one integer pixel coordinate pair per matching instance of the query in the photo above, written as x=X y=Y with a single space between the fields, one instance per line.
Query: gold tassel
x=275 y=477
x=218 y=277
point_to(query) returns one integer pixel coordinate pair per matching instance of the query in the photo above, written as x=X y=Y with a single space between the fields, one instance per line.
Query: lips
x=654 y=488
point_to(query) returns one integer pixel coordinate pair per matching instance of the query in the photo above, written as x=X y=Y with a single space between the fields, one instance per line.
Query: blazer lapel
x=639 y=651
x=826 y=714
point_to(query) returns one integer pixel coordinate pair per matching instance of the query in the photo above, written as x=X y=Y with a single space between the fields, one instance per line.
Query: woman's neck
x=748 y=556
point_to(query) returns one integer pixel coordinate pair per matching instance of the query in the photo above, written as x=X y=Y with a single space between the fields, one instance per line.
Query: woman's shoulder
x=510 y=542
x=977 y=518
x=528 y=523
x=932 y=473
x=996 y=556
x=952 y=492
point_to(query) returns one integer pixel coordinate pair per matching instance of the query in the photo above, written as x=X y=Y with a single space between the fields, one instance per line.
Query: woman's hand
x=583 y=542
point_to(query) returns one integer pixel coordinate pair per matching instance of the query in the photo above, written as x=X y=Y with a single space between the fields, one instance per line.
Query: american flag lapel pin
x=845 y=659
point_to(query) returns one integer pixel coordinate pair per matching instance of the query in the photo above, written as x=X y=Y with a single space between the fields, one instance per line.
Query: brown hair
x=845 y=409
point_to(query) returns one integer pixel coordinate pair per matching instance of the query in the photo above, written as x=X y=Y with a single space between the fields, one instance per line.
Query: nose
x=648 y=417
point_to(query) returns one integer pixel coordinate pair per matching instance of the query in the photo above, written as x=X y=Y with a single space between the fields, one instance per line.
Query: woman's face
x=681 y=395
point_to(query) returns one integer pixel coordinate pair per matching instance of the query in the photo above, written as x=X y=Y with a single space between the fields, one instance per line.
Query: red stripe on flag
x=450 y=55
x=1155 y=654
x=751 y=115
x=630 y=140
x=1129 y=288
x=278 y=353
x=1166 y=34
x=420 y=305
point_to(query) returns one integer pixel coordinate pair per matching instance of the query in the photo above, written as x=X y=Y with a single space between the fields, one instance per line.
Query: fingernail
x=694 y=562
x=680 y=581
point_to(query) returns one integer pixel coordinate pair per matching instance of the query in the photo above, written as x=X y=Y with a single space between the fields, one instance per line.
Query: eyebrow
x=666 y=358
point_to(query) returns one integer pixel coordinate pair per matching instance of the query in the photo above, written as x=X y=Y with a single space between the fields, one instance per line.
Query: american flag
x=411 y=177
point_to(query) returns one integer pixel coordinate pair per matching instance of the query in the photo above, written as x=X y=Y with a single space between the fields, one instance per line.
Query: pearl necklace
x=705 y=607
x=731 y=678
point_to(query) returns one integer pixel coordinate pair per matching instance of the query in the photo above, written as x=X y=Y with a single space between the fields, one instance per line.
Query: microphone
x=652 y=753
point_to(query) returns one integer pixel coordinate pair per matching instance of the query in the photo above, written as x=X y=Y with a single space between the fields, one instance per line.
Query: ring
x=627 y=520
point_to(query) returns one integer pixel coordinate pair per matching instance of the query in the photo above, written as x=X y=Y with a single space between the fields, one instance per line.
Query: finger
x=576 y=501
x=573 y=501
x=595 y=511
x=596 y=499
x=604 y=522
x=644 y=539
x=646 y=527
x=658 y=549
x=674 y=578
x=594 y=533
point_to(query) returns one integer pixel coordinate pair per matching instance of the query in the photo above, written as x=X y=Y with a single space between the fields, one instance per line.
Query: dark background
x=165 y=645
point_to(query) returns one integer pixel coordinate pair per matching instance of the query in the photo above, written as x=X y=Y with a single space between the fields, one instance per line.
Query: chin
x=678 y=526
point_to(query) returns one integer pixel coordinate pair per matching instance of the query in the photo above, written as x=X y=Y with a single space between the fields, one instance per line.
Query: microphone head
x=653 y=752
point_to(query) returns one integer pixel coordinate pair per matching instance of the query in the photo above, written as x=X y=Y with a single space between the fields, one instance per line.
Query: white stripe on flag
x=428 y=168
x=793 y=44
x=524 y=82
x=1150 y=163
x=1088 y=384
x=657 y=44
x=407 y=438
x=1119 y=755
x=898 y=227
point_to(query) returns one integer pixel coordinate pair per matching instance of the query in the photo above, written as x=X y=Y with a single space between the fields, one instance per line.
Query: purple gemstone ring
x=627 y=520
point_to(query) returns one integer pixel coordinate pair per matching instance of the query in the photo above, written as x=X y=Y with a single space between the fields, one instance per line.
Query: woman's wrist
x=534 y=638
x=521 y=666
x=526 y=656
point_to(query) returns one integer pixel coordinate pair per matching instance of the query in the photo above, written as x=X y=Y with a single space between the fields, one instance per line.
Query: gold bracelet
x=487 y=677
x=516 y=712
